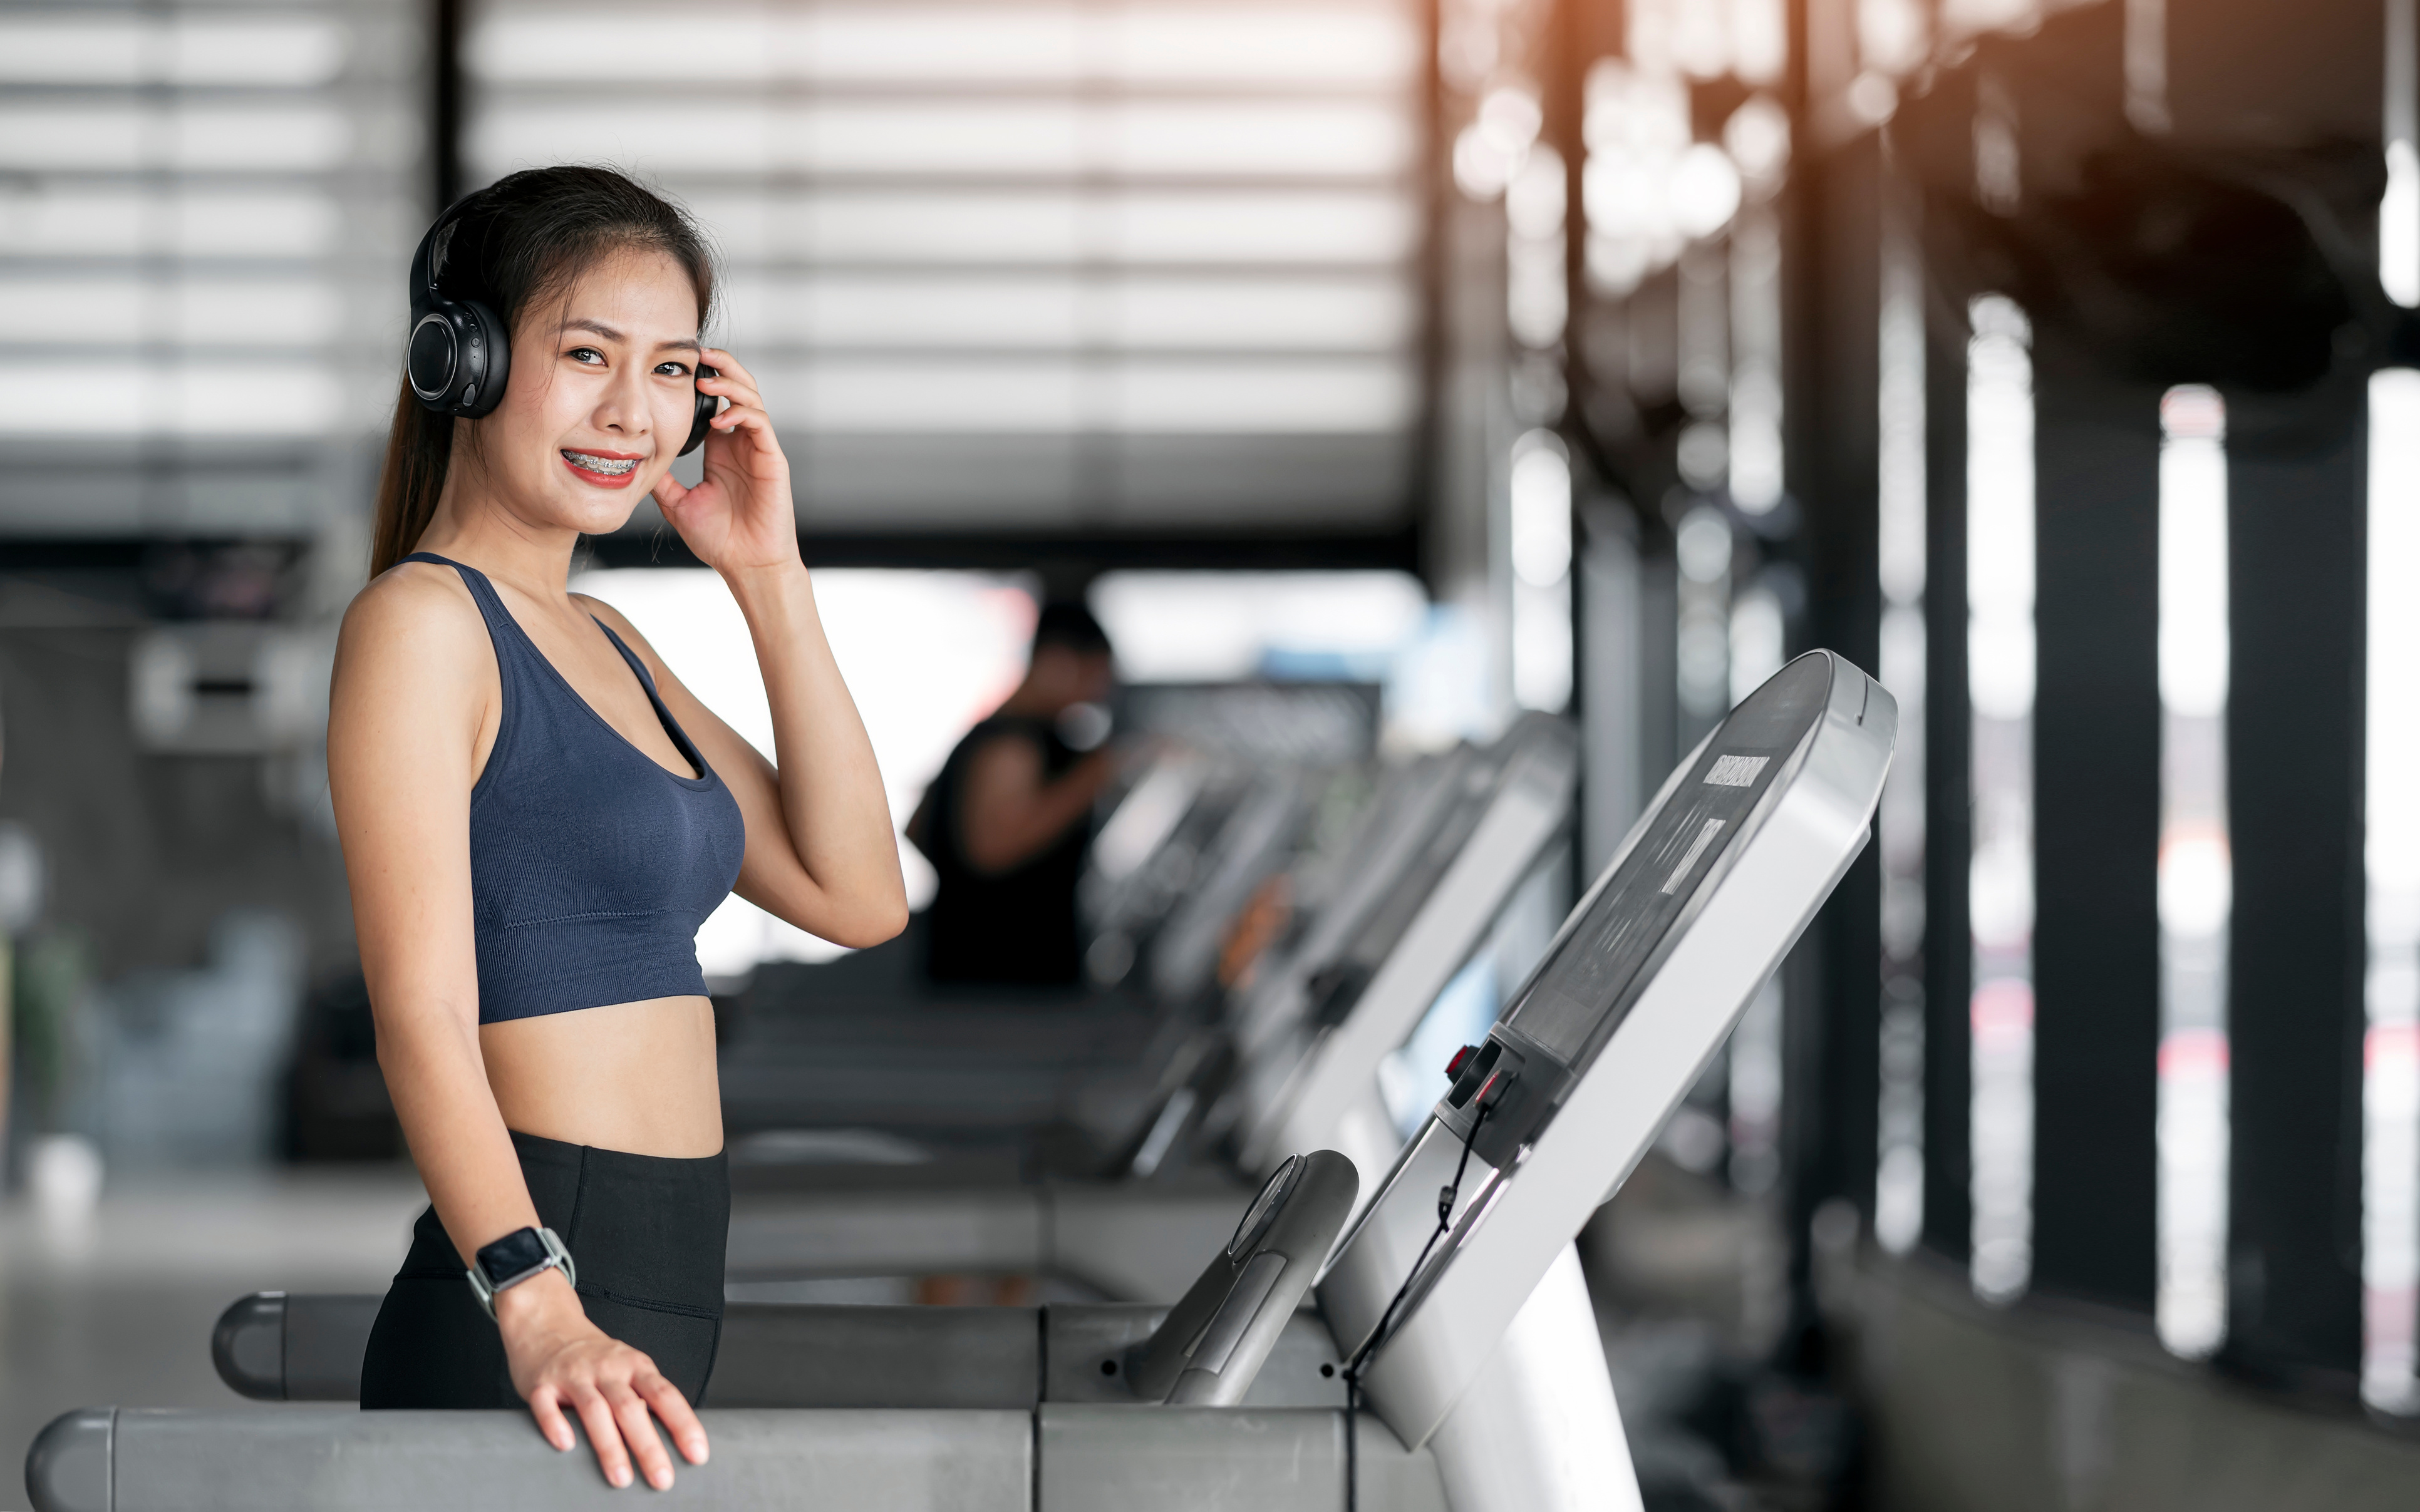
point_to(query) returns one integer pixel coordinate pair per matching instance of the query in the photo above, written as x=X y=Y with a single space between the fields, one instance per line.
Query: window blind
x=1008 y=265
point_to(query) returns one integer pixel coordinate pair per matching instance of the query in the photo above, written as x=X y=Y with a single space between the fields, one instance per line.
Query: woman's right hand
x=560 y=1359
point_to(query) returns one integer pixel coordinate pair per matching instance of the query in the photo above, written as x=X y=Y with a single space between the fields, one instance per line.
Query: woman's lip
x=599 y=479
x=609 y=457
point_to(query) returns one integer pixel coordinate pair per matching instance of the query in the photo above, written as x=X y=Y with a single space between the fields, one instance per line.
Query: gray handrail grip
x=1298 y=1238
x=1154 y=1366
x=789 y=1355
x=69 y=1468
x=295 y=1347
x=248 y=1346
x=328 y=1458
x=326 y=1337
x=1227 y=1329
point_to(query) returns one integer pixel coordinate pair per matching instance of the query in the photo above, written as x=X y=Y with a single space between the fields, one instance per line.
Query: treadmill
x=975 y=1070
x=1461 y=1324
x=1420 y=891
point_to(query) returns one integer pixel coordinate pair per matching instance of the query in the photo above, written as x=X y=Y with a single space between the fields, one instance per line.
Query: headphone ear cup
x=431 y=359
x=486 y=364
x=708 y=406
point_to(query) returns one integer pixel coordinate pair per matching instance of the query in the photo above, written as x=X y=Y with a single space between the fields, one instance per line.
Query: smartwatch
x=515 y=1259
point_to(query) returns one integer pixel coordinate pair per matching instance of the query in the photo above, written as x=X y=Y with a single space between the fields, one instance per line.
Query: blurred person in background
x=537 y=815
x=1007 y=823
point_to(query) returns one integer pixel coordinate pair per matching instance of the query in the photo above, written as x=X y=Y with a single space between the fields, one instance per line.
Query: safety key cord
x=1446 y=1198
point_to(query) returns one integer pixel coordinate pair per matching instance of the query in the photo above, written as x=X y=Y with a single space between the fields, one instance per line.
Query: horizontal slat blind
x=204 y=210
x=1016 y=264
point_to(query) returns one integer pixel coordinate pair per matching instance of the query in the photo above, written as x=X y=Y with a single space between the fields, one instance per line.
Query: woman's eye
x=672 y=369
x=587 y=354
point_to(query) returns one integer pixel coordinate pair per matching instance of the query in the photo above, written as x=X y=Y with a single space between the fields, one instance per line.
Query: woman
x=537 y=815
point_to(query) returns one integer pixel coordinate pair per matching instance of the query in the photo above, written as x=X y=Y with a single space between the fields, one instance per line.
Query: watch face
x=515 y=1255
x=1264 y=1209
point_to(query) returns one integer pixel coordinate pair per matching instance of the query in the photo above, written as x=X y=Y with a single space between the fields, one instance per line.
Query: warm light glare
x=1901 y=542
x=1704 y=189
x=2398 y=210
x=1540 y=491
x=2000 y=691
x=1702 y=651
x=1757 y=461
x=1891 y=35
x=2193 y=553
x=1537 y=296
x=2000 y=511
x=1758 y=645
x=1541 y=515
x=2195 y=873
x=1748 y=39
x=1647 y=189
x=2391 y=1062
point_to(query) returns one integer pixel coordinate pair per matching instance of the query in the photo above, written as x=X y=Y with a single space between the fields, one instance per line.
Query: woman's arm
x=411 y=706
x=821 y=853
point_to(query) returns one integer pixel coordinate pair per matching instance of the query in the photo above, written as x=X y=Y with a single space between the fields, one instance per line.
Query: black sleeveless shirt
x=1013 y=926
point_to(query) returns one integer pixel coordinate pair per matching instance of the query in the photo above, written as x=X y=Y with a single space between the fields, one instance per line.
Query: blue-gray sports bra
x=591 y=866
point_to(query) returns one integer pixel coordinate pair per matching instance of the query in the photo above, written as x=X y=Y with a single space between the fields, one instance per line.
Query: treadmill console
x=1635 y=995
x=1559 y=1020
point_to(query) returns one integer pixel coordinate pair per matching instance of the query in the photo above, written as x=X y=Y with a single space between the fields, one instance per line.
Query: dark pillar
x=2096 y=837
x=445 y=105
x=1832 y=352
x=2296 y=519
x=1949 y=824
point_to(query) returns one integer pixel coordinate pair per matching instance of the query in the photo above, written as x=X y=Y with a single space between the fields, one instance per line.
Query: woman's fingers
x=730 y=367
x=639 y=1433
x=688 y=1433
x=604 y=1435
x=546 y=1406
x=738 y=390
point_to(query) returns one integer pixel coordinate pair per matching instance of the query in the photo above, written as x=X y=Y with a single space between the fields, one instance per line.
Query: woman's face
x=601 y=396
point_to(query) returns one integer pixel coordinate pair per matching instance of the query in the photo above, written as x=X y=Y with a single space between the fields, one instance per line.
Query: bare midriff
x=638 y=1077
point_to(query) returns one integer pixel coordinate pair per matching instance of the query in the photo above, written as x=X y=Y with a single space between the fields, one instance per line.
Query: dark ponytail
x=527 y=236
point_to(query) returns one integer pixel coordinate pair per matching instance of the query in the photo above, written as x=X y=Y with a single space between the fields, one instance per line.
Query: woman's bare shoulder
x=414 y=611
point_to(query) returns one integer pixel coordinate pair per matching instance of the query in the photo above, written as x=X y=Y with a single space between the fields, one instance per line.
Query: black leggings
x=647 y=1235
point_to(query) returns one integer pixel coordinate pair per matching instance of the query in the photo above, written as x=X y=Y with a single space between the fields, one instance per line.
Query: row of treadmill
x=1308 y=1286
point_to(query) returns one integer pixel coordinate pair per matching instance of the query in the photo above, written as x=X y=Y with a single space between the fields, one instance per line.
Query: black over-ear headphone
x=458 y=358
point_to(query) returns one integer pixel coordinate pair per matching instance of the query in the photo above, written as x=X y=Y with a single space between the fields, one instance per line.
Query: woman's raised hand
x=740 y=516
x=560 y=1360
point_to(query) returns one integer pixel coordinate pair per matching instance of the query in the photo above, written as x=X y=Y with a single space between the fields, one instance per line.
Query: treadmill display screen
x=1582 y=992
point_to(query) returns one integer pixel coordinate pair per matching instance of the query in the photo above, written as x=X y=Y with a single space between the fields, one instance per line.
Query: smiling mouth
x=606 y=465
